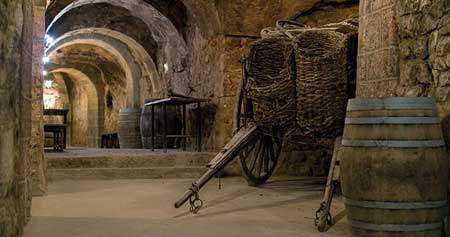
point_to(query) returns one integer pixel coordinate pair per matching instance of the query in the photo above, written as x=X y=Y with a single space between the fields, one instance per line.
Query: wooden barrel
x=173 y=125
x=394 y=167
x=129 y=128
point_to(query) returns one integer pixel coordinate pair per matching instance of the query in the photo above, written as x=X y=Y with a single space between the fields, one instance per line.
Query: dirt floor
x=138 y=208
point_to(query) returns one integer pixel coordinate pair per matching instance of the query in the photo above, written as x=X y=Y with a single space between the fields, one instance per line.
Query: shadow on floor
x=260 y=206
x=282 y=186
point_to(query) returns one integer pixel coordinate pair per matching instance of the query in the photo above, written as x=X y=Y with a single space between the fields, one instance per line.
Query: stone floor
x=98 y=152
x=138 y=208
x=92 y=163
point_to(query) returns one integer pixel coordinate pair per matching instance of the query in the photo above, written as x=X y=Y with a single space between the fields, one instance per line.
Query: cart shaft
x=233 y=148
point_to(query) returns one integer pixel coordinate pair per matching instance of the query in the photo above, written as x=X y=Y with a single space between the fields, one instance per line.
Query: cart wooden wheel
x=259 y=158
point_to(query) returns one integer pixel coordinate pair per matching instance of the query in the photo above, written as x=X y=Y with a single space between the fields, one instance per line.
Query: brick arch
x=171 y=44
x=150 y=76
x=118 y=49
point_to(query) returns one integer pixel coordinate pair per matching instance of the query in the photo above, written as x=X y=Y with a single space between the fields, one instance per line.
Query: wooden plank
x=234 y=146
x=322 y=221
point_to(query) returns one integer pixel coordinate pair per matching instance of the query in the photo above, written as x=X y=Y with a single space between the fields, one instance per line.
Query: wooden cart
x=258 y=151
x=277 y=100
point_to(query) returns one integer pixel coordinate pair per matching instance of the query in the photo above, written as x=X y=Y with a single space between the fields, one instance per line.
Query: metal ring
x=393 y=143
x=396 y=103
x=395 y=205
x=392 y=120
x=394 y=227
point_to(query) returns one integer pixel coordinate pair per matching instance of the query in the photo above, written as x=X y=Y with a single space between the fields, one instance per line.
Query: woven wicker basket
x=321 y=81
x=302 y=85
x=270 y=82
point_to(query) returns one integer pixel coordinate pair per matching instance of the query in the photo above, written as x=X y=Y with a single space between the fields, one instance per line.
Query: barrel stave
x=129 y=128
x=391 y=174
x=393 y=132
x=392 y=113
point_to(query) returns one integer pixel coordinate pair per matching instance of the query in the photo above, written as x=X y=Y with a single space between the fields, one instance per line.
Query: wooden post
x=153 y=127
x=184 y=127
x=65 y=129
x=64 y=137
x=199 y=124
x=165 y=127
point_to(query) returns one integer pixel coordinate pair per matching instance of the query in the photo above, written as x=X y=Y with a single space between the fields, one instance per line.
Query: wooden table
x=177 y=101
x=59 y=130
x=59 y=135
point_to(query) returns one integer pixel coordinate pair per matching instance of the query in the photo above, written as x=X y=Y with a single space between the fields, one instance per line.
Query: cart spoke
x=269 y=157
x=255 y=156
x=260 y=157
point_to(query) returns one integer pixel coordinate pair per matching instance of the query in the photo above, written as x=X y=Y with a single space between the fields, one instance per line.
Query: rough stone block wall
x=15 y=90
x=38 y=165
x=403 y=48
x=405 y=51
x=424 y=30
x=378 y=67
x=80 y=123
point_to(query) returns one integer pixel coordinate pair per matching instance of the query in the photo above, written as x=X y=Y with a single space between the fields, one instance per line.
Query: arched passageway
x=85 y=120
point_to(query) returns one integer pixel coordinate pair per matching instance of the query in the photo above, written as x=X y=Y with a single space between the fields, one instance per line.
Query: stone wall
x=38 y=165
x=378 y=68
x=79 y=116
x=405 y=51
x=424 y=41
x=402 y=48
x=15 y=106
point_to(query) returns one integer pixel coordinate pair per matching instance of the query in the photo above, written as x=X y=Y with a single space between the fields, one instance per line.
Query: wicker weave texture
x=270 y=83
x=302 y=85
x=321 y=81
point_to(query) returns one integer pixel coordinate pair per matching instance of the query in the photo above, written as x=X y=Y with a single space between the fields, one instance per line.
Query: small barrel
x=129 y=128
x=394 y=167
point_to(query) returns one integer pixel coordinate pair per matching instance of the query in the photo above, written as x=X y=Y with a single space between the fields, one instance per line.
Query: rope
x=282 y=29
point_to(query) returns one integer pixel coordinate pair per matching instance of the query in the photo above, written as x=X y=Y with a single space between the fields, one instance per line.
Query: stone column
x=38 y=164
x=378 y=54
x=22 y=163
x=15 y=91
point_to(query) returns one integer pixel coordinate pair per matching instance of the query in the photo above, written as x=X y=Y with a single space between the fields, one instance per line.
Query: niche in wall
x=109 y=101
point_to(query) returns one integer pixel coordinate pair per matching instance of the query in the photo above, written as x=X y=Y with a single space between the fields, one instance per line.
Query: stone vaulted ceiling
x=136 y=41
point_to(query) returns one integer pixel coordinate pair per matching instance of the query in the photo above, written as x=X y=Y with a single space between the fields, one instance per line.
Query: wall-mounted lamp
x=48 y=83
x=48 y=40
x=166 y=67
x=49 y=101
